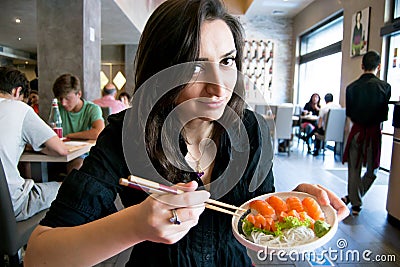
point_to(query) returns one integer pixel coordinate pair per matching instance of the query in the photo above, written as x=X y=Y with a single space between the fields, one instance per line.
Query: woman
x=358 y=39
x=187 y=123
x=34 y=100
x=312 y=107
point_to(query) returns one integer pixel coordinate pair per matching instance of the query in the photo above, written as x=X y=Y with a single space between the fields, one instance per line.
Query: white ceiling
x=115 y=29
x=288 y=8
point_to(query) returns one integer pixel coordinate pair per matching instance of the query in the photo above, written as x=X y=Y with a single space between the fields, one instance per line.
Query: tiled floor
x=368 y=234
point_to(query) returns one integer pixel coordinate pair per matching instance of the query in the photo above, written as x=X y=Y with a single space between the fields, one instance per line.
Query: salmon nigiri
x=294 y=203
x=278 y=204
x=312 y=208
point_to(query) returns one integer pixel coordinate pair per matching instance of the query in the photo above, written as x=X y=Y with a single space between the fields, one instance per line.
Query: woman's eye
x=230 y=61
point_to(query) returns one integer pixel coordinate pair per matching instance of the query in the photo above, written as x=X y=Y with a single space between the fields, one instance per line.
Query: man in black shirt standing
x=367 y=102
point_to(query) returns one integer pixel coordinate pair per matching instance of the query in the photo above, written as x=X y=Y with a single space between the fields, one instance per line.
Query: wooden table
x=38 y=161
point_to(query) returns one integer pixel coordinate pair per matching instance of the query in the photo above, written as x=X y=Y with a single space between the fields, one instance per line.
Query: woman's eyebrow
x=223 y=56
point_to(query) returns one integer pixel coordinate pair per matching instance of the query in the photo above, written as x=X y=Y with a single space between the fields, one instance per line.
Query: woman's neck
x=196 y=131
x=201 y=150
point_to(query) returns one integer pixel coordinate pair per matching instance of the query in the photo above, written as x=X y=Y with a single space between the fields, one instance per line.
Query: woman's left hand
x=325 y=197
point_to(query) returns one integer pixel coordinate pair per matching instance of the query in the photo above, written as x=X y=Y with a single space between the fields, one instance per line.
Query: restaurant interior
x=293 y=48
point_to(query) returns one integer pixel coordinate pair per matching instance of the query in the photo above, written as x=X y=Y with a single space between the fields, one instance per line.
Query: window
x=393 y=67
x=392 y=32
x=323 y=36
x=321 y=61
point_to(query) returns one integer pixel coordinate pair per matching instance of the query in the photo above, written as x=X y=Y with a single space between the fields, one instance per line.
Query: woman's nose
x=215 y=80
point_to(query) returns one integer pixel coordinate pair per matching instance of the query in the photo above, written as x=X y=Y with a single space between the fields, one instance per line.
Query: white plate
x=330 y=218
x=75 y=143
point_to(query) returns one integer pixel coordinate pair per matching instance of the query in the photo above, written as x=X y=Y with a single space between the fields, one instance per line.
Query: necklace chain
x=199 y=169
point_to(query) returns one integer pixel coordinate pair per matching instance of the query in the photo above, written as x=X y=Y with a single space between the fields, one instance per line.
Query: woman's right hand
x=91 y=243
x=156 y=212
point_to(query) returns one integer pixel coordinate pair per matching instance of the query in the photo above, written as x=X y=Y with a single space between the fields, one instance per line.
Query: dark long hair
x=170 y=37
x=311 y=100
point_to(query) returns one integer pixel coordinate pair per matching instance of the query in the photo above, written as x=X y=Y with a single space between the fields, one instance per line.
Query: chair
x=106 y=112
x=296 y=121
x=283 y=124
x=334 y=129
x=13 y=235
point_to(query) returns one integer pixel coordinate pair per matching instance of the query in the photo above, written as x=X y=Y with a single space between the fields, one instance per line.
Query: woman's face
x=358 y=17
x=34 y=98
x=214 y=76
x=315 y=99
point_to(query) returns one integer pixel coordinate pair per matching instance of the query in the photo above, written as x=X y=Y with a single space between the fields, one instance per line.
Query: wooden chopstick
x=168 y=189
x=153 y=187
x=212 y=207
x=222 y=204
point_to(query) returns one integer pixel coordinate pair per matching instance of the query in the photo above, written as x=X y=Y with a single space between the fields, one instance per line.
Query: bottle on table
x=55 y=121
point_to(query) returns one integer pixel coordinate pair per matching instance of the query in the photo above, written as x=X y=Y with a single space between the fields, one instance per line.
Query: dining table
x=39 y=161
x=308 y=118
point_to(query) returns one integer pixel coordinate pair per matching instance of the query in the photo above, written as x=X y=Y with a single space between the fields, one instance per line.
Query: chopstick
x=168 y=189
x=212 y=207
x=153 y=187
x=222 y=204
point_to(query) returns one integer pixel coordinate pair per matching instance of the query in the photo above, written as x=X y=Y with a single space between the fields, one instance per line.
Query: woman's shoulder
x=117 y=118
x=250 y=118
x=254 y=122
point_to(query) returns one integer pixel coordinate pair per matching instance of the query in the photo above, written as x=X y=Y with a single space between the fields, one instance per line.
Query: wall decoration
x=257 y=68
x=359 y=32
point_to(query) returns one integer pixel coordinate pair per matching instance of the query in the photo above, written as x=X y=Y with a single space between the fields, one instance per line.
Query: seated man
x=81 y=119
x=323 y=113
x=24 y=126
x=108 y=99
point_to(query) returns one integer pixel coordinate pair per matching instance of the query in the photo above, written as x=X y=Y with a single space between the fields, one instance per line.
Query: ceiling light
x=17 y=20
x=26 y=62
x=19 y=38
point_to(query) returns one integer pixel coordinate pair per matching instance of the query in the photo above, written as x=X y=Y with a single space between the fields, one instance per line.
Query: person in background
x=181 y=128
x=24 y=127
x=34 y=84
x=125 y=98
x=312 y=107
x=367 y=101
x=81 y=119
x=108 y=99
x=323 y=114
x=34 y=100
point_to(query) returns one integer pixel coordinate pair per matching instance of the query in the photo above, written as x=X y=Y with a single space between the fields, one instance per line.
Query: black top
x=89 y=194
x=367 y=100
x=308 y=107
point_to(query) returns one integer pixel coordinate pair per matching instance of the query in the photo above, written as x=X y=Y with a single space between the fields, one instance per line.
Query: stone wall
x=280 y=32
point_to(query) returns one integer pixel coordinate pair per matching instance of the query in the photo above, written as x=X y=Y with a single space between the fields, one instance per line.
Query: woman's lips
x=213 y=103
